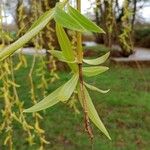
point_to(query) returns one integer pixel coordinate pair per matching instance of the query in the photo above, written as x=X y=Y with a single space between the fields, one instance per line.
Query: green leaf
x=87 y=24
x=48 y=101
x=93 y=88
x=68 y=88
x=63 y=93
x=59 y=55
x=43 y=17
x=93 y=71
x=67 y=21
x=92 y=113
x=66 y=46
x=27 y=37
x=97 y=61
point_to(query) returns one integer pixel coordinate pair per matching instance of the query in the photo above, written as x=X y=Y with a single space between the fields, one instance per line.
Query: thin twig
x=86 y=118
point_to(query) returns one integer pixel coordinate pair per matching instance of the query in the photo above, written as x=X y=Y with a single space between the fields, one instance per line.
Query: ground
x=125 y=111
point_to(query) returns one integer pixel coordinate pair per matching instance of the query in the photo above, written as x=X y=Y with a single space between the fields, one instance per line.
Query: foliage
x=124 y=110
x=73 y=20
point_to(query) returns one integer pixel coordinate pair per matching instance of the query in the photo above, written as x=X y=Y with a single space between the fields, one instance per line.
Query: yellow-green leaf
x=66 y=46
x=59 y=55
x=93 y=71
x=98 y=60
x=93 y=88
x=40 y=19
x=47 y=102
x=63 y=93
x=27 y=37
x=67 y=21
x=92 y=113
x=68 y=88
x=87 y=24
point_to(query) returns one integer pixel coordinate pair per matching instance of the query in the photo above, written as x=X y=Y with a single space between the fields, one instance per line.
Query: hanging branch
x=125 y=38
x=109 y=21
x=50 y=41
x=80 y=58
x=8 y=99
x=37 y=43
x=72 y=19
x=5 y=73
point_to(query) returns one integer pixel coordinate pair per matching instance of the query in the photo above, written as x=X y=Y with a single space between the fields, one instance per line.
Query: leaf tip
x=26 y=111
x=109 y=137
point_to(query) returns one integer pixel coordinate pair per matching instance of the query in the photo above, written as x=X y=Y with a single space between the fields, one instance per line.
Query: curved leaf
x=92 y=113
x=63 y=93
x=93 y=71
x=68 y=88
x=98 y=60
x=48 y=101
x=43 y=17
x=67 y=21
x=66 y=46
x=93 y=88
x=87 y=24
x=27 y=37
x=59 y=55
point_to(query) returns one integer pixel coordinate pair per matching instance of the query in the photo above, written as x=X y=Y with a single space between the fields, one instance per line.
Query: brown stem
x=86 y=118
x=80 y=58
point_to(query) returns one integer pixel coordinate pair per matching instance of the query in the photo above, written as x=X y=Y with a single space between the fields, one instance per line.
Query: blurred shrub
x=142 y=37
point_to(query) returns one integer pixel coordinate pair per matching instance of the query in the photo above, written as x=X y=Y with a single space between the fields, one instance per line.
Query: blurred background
x=32 y=73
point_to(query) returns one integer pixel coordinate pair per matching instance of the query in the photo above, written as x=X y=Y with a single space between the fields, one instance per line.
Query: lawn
x=125 y=111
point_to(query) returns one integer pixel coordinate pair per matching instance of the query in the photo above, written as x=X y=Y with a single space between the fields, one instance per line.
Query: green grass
x=125 y=111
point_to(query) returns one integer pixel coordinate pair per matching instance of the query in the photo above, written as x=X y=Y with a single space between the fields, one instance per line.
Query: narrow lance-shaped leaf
x=87 y=24
x=92 y=113
x=98 y=60
x=27 y=37
x=93 y=71
x=47 y=102
x=68 y=88
x=93 y=88
x=46 y=14
x=66 y=46
x=60 y=94
x=67 y=21
x=59 y=55
x=40 y=19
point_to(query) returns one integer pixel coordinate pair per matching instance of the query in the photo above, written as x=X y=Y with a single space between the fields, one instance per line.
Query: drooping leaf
x=47 y=102
x=60 y=56
x=40 y=19
x=93 y=88
x=57 y=54
x=87 y=24
x=67 y=21
x=46 y=14
x=92 y=113
x=66 y=46
x=63 y=93
x=98 y=60
x=93 y=71
x=27 y=37
x=68 y=88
